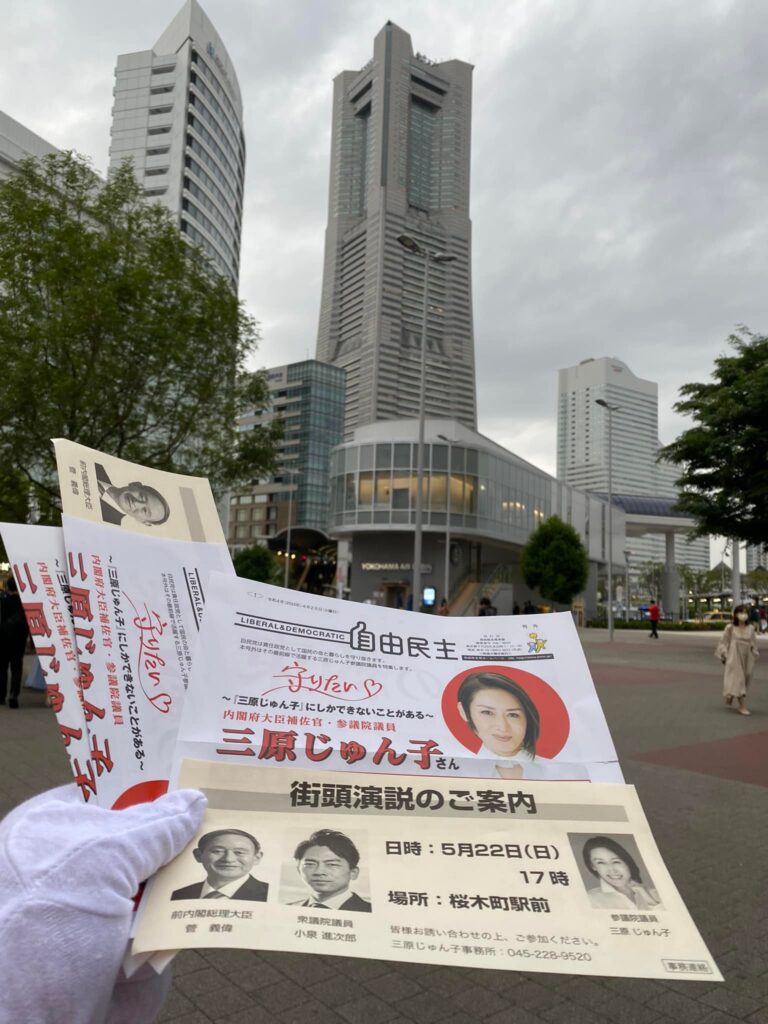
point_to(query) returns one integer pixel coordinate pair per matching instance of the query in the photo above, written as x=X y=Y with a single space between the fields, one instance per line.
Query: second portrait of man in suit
x=328 y=863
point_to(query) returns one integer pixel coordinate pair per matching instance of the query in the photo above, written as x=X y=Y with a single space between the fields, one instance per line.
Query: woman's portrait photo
x=614 y=877
x=501 y=713
x=512 y=720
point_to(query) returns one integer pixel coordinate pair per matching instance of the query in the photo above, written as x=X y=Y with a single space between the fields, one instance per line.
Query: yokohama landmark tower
x=400 y=153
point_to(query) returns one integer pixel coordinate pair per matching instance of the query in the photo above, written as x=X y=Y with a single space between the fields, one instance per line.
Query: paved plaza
x=702 y=775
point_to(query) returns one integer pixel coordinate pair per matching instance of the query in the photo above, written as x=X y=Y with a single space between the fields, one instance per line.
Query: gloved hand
x=68 y=874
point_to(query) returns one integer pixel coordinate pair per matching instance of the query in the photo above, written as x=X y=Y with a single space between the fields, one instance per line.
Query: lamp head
x=410 y=244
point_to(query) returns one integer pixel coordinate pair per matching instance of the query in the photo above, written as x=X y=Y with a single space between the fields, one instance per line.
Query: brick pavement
x=686 y=754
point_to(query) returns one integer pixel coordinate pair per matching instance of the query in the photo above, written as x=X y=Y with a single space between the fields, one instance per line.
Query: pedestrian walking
x=13 y=640
x=444 y=609
x=737 y=650
x=486 y=608
x=654 y=614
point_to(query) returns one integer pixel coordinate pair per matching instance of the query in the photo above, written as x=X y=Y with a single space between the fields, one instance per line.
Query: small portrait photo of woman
x=511 y=720
x=613 y=873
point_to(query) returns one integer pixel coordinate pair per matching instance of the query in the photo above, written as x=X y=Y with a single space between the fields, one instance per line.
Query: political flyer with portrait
x=287 y=679
x=140 y=544
x=514 y=875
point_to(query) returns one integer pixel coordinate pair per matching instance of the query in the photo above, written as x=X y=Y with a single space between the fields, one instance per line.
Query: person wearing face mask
x=737 y=650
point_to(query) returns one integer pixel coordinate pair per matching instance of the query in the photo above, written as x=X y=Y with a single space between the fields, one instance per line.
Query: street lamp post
x=429 y=256
x=628 y=598
x=292 y=473
x=446 y=585
x=611 y=408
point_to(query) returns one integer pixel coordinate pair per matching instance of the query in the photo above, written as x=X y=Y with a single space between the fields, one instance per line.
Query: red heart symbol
x=372 y=687
x=162 y=702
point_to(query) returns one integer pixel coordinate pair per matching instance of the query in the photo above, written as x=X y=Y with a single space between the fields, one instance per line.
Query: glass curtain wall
x=376 y=483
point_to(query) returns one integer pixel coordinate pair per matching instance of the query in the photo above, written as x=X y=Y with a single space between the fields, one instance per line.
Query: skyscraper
x=757 y=558
x=582 y=430
x=582 y=446
x=178 y=114
x=309 y=398
x=400 y=149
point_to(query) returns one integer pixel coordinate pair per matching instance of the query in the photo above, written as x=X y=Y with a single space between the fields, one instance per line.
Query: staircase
x=497 y=582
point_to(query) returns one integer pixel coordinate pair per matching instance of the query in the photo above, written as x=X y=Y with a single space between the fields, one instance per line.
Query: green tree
x=257 y=563
x=554 y=561
x=757 y=581
x=650 y=577
x=697 y=582
x=117 y=334
x=724 y=470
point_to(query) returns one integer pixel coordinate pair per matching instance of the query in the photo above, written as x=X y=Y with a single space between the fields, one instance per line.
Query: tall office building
x=582 y=446
x=757 y=558
x=582 y=430
x=400 y=149
x=179 y=116
x=309 y=398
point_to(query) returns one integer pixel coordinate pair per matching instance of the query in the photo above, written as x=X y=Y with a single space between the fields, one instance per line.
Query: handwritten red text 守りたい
x=297 y=677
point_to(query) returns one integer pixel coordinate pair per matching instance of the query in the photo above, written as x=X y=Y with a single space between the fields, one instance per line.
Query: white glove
x=68 y=875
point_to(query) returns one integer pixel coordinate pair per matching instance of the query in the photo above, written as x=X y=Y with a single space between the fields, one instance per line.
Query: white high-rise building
x=19 y=143
x=582 y=446
x=400 y=161
x=179 y=116
x=757 y=558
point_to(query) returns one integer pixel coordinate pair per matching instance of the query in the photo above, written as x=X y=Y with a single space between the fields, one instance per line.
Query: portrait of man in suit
x=328 y=862
x=228 y=855
x=138 y=501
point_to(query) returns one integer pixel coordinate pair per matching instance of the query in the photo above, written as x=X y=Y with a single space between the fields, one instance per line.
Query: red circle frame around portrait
x=555 y=724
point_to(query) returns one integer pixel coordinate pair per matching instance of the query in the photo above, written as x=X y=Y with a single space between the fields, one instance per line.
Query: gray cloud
x=618 y=163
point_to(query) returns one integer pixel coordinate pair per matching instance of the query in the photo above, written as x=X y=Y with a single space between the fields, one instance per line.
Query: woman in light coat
x=737 y=650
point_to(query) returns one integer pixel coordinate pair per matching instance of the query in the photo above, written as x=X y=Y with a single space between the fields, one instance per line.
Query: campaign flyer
x=289 y=679
x=532 y=876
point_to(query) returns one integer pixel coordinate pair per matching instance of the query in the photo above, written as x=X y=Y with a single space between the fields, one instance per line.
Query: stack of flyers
x=114 y=602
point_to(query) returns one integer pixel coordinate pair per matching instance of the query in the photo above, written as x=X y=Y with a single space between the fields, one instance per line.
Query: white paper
x=287 y=679
x=461 y=873
x=39 y=560
x=140 y=592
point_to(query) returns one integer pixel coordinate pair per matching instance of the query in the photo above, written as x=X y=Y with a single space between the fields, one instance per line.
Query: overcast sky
x=620 y=156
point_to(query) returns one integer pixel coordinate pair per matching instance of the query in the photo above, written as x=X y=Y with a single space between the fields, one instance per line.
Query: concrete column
x=670 y=587
x=590 y=592
x=736 y=572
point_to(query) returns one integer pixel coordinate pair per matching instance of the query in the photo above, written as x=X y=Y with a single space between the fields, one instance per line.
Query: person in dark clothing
x=13 y=640
x=486 y=608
